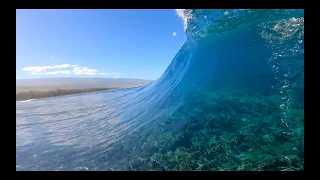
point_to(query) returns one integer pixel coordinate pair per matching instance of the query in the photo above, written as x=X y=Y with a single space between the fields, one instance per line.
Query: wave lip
x=201 y=23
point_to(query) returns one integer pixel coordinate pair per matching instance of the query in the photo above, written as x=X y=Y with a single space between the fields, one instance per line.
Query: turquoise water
x=232 y=99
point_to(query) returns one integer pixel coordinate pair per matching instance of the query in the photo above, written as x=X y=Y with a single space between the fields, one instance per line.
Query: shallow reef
x=220 y=131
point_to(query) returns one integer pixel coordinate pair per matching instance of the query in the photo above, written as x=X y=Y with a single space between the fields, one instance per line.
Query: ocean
x=232 y=99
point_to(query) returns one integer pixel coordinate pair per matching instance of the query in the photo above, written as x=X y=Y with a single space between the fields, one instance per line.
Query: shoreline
x=29 y=95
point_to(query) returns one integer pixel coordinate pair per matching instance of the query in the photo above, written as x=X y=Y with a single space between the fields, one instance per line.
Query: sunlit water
x=238 y=79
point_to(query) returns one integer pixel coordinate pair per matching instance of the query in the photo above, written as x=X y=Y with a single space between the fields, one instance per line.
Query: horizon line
x=82 y=78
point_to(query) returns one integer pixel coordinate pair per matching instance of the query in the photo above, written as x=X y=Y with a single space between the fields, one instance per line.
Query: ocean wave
x=239 y=78
x=199 y=23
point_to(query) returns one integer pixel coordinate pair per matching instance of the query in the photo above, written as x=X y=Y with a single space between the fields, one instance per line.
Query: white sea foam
x=27 y=100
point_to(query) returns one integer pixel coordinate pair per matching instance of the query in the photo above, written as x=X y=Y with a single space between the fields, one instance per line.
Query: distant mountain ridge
x=47 y=84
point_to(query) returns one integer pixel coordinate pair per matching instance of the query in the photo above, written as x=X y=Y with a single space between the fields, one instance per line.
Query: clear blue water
x=231 y=56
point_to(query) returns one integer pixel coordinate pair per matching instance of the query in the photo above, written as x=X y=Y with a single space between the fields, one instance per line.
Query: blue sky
x=96 y=43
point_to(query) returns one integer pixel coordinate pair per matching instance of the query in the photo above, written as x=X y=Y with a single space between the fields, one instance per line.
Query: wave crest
x=204 y=22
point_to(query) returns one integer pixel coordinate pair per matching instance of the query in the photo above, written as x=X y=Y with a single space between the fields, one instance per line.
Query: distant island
x=49 y=87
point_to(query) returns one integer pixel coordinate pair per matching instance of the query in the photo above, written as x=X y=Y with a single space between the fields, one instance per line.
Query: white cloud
x=84 y=71
x=59 y=72
x=61 y=66
x=174 y=33
x=64 y=69
x=42 y=69
x=36 y=69
x=115 y=76
x=35 y=73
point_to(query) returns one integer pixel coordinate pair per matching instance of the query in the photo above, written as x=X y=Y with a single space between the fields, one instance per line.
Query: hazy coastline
x=27 y=89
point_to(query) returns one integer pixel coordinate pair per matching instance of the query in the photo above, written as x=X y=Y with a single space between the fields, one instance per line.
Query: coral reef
x=222 y=131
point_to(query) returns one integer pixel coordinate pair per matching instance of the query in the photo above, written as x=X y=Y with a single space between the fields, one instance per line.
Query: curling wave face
x=252 y=51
